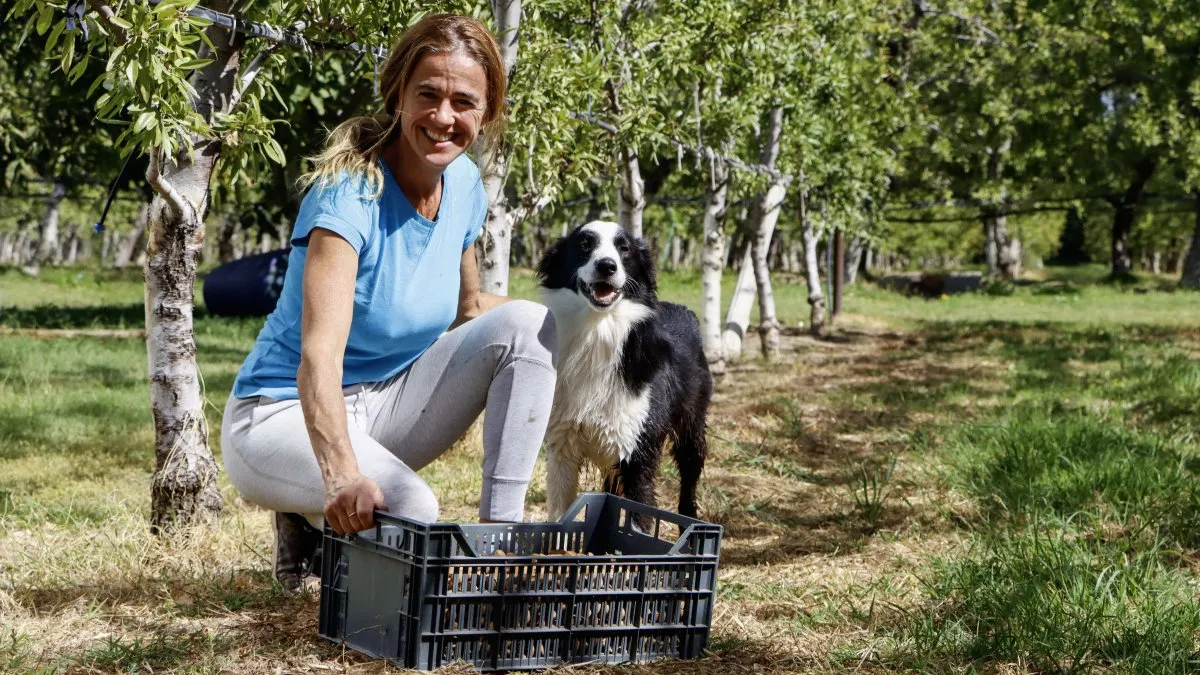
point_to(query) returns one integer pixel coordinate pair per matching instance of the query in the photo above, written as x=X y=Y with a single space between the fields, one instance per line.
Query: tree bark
x=48 y=247
x=1126 y=211
x=133 y=242
x=1190 y=278
x=6 y=247
x=70 y=248
x=737 y=318
x=184 y=487
x=631 y=202
x=816 y=298
x=767 y=210
x=713 y=262
x=225 y=233
x=496 y=241
x=1001 y=249
x=854 y=259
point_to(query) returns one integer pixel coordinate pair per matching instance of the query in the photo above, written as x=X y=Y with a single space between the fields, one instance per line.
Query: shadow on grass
x=55 y=317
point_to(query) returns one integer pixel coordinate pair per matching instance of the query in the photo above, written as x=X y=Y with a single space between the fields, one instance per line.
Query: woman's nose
x=444 y=113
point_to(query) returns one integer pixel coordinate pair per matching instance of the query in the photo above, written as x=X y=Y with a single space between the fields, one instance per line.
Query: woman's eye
x=426 y=95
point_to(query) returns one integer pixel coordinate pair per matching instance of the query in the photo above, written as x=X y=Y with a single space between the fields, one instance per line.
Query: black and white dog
x=631 y=371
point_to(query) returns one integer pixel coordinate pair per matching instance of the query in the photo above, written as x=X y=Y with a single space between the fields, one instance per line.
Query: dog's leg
x=690 y=449
x=639 y=477
x=562 y=480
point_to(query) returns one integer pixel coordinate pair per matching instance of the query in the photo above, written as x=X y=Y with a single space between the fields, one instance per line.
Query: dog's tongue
x=603 y=291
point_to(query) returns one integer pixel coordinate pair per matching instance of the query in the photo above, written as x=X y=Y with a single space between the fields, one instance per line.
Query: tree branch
x=166 y=190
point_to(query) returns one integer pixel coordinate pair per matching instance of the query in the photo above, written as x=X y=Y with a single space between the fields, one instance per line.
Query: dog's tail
x=690 y=449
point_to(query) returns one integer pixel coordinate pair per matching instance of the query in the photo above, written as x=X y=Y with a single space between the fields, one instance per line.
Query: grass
x=1003 y=481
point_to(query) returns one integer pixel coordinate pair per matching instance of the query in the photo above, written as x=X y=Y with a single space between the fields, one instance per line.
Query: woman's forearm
x=320 y=387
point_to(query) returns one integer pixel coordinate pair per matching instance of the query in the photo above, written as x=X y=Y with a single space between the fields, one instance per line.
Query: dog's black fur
x=662 y=352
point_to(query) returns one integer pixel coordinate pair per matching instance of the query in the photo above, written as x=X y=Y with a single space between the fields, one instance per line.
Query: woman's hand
x=350 y=503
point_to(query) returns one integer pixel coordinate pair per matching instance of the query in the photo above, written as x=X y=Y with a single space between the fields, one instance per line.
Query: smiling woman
x=355 y=384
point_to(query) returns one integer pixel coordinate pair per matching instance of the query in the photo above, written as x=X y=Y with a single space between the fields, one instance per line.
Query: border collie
x=631 y=371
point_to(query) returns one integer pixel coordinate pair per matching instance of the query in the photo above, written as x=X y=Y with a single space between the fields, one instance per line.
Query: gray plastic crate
x=589 y=588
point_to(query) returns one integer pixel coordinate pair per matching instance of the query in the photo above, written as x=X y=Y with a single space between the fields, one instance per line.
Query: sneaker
x=297 y=551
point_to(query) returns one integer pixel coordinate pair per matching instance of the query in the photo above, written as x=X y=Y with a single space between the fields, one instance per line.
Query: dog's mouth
x=602 y=294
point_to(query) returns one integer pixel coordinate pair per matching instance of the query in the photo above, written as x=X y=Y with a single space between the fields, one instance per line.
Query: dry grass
x=833 y=507
x=800 y=572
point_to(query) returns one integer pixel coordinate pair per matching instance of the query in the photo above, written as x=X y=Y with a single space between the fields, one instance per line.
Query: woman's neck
x=423 y=190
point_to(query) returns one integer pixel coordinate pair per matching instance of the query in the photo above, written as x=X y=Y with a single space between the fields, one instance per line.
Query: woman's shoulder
x=343 y=185
x=464 y=171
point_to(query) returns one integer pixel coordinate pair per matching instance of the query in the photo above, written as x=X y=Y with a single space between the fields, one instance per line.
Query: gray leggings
x=501 y=361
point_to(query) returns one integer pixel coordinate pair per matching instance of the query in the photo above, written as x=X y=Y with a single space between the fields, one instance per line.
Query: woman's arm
x=329 y=276
x=471 y=301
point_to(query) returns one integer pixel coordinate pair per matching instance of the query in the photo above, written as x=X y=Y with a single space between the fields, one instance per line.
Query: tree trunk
x=737 y=318
x=6 y=247
x=712 y=262
x=184 y=488
x=225 y=233
x=631 y=202
x=816 y=298
x=1190 y=278
x=48 y=247
x=854 y=259
x=496 y=242
x=1001 y=249
x=768 y=323
x=21 y=246
x=767 y=210
x=133 y=242
x=70 y=254
x=1126 y=210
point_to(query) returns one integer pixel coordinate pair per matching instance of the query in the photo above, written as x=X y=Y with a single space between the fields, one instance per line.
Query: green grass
x=997 y=481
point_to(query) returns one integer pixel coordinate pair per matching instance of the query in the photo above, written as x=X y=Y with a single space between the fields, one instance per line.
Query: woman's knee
x=531 y=327
x=407 y=496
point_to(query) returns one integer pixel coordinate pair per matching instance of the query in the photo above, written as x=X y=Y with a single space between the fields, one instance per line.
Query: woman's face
x=443 y=107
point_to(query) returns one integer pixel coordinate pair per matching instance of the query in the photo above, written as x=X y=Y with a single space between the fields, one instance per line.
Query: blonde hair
x=355 y=145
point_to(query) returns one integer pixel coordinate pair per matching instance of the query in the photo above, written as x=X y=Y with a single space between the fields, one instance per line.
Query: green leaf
x=68 y=55
x=274 y=151
x=45 y=16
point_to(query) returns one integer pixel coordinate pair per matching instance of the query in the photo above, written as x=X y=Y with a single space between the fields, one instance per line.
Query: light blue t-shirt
x=406 y=293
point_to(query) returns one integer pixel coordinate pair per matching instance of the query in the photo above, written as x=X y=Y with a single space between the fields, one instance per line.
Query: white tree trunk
x=737 y=318
x=131 y=244
x=816 y=298
x=768 y=323
x=631 y=202
x=6 y=247
x=1001 y=250
x=767 y=210
x=184 y=488
x=496 y=244
x=48 y=247
x=713 y=262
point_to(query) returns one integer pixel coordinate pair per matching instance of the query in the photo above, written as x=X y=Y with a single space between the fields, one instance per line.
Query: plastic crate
x=425 y=595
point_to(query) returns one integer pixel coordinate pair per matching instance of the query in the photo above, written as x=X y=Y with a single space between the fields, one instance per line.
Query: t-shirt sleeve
x=479 y=206
x=341 y=208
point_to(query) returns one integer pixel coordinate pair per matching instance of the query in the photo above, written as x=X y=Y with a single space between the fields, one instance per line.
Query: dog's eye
x=585 y=245
x=623 y=248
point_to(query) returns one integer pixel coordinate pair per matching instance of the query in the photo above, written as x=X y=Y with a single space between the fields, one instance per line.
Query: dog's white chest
x=595 y=415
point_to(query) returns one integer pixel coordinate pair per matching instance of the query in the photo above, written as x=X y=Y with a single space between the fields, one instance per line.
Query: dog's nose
x=606 y=266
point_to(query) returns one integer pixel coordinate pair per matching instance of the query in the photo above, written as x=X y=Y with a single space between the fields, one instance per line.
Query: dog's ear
x=646 y=261
x=552 y=260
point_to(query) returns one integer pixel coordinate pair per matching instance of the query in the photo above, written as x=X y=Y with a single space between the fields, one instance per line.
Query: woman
x=354 y=385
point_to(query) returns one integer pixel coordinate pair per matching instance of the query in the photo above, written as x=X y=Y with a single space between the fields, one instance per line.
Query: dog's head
x=602 y=263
